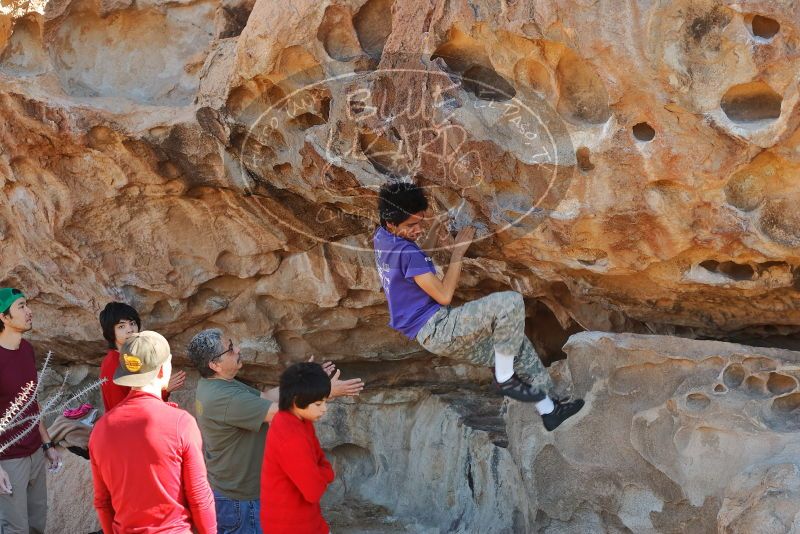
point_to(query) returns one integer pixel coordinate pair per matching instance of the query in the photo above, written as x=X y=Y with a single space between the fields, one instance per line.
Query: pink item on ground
x=79 y=412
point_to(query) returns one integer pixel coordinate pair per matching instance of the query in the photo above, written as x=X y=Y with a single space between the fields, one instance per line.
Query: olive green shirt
x=231 y=419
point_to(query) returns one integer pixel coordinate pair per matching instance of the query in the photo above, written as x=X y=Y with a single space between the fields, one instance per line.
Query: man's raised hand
x=328 y=367
x=341 y=388
x=345 y=388
x=176 y=380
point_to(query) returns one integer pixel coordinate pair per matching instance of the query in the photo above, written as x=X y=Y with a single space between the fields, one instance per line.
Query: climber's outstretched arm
x=442 y=290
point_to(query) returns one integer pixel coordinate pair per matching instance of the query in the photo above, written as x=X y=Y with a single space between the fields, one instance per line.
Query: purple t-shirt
x=399 y=261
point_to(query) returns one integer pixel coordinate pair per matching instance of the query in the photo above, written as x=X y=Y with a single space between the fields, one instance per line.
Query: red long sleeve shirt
x=148 y=470
x=112 y=393
x=294 y=477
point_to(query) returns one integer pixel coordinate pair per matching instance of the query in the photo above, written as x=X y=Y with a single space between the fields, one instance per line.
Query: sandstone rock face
x=677 y=436
x=215 y=162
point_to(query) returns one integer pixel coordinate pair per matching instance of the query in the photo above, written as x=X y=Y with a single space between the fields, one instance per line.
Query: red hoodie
x=112 y=393
x=148 y=470
x=294 y=477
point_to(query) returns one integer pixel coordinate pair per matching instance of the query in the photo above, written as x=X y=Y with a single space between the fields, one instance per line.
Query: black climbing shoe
x=562 y=412
x=518 y=389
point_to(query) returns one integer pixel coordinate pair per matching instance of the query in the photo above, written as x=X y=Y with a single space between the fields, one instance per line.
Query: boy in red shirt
x=119 y=322
x=295 y=472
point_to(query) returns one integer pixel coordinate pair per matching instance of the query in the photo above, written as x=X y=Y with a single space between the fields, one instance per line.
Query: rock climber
x=485 y=331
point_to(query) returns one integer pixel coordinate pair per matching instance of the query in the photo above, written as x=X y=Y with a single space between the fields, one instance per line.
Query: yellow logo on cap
x=132 y=363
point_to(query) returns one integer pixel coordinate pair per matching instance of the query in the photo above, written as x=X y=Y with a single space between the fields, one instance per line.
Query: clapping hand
x=341 y=388
x=176 y=380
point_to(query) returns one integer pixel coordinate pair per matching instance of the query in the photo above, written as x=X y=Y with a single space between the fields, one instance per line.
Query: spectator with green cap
x=23 y=480
x=146 y=454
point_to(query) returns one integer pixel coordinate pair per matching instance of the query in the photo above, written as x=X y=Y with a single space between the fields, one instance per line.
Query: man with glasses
x=233 y=420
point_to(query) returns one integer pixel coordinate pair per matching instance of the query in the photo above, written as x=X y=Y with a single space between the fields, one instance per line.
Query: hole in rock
x=734 y=271
x=24 y=53
x=325 y=108
x=297 y=73
x=546 y=333
x=234 y=19
x=373 y=24
x=697 y=401
x=745 y=190
x=282 y=168
x=733 y=375
x=787 y=403
x=780 y=220
x=643 y=132
x=719 y=388
x=767 y=265
x=486 y=84
x=257 y=152
x=755 y=386
x=758 y=364
x=337 y=34
x=387 y=157
x=461 y=51
x=764 y=27
x=251 y=102
x=778 y=383
x=583 y=97
x=751 y=102
x=305 y=121
x=275 y=95
x=583 y=157
x=470 y=479
x=533 y=74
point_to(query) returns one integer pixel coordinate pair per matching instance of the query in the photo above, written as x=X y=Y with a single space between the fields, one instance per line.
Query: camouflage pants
x=475 y=330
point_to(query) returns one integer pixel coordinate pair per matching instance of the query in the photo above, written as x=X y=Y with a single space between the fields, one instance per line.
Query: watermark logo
x=489 y=155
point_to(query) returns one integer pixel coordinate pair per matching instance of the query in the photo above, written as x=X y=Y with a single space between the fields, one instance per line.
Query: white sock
x=503 y=367
x=545 y=406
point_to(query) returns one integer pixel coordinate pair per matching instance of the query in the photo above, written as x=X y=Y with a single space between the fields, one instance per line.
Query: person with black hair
x=119 y=322
x=233 y=418
x=487 y=331
x=295 y=472
x=27 y=450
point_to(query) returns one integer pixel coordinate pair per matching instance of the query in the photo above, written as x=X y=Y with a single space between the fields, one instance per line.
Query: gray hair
x=203 y=347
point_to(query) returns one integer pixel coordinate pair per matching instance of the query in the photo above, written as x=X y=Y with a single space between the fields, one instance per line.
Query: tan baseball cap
x=140 y=359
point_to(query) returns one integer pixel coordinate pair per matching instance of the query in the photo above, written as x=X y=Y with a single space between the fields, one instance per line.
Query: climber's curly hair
x=397 y=201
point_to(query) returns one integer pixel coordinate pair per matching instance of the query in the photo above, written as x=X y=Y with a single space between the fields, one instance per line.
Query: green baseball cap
x=8 y=296
x=140 y=358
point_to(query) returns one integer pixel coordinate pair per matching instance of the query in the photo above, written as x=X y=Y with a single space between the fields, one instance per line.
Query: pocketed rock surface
x=676 y=436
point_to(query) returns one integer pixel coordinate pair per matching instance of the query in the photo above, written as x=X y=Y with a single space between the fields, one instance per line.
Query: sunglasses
x=230 y=349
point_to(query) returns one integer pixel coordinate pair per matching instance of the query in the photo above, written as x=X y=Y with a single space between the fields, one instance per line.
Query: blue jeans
x=237 y=517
